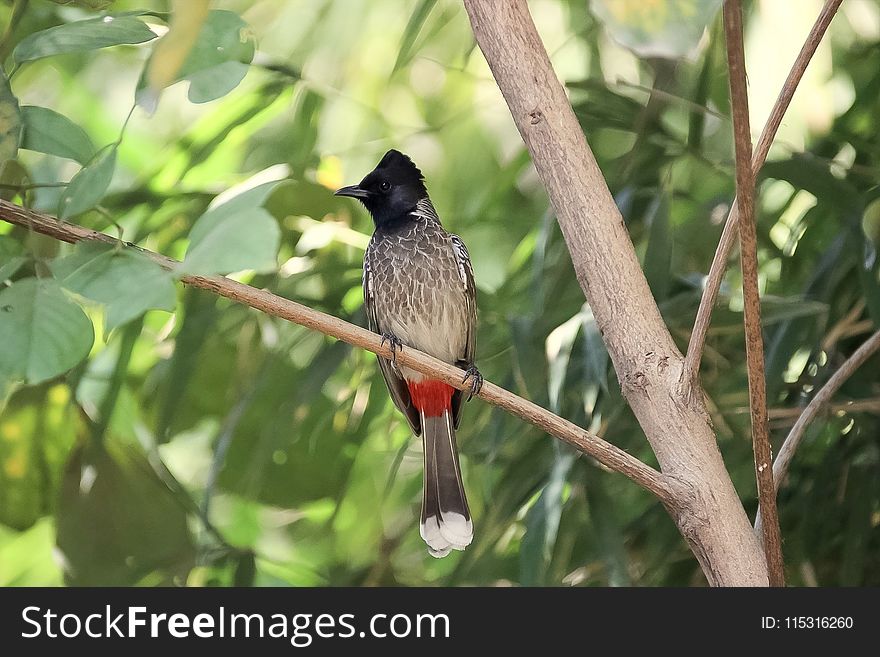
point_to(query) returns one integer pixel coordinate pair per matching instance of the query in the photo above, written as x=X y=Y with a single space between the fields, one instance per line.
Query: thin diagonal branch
x=796 y=435
x=607 y=454
x=745 y=190
x=793 y=440
x=728 y=236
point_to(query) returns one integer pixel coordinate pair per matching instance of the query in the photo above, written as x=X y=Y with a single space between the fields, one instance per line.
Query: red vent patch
x=432 y=397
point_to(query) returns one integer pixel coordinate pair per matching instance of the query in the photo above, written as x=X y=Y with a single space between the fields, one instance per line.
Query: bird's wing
x=396 y=385
x=466 y=273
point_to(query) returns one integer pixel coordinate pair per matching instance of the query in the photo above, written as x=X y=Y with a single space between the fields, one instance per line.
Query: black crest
x=391 y=191
x=396 y=164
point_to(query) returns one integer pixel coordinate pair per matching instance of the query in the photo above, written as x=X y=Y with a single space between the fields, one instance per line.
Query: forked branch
x=728 y=236
x=647 y=362
x=607 y=454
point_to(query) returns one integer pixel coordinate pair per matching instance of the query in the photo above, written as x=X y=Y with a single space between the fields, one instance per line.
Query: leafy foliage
x=668 y=29
x=10 y=121
x=127 y=283
x=238 y=234
x=47 y=131
x=118 y=524
x=46 y=333
x=218 y=60
x=195 y=441
x=88 y=186
x=82 y=36
x=170 y=54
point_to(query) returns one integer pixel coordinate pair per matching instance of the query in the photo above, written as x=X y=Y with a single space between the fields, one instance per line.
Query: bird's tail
x=446 y=520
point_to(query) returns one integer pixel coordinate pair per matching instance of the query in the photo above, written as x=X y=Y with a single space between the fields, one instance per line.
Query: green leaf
x=529 y=349
x=47 y=131
x=774 y=310
x=866 y=242
x=44 y=333
x=302 y=198
x=219 y=60
x=315 y=445
x=542 y=521
x=697 y=117
x=871 y=223
x=7 y=387
x=606 y=523
x=171 y=52
x=102 y=390
x=658 y=256
x=862 y=491
x=225 y=43
x=246 y=108
x=668 y=29
x=11 y=257
x=27 y=557
x=559 y=345
x=245 y=569
x=815 y=176
x=215 y=82
x=13 y=174
x=126 y=281
x=868 y=277
x=236 y=235
x=780 y=309
x=599 y=105
x=86 y=4
x=81 y=36
x=10 y=121
x=199 y=319
x=411 y=32
x=799 y=328
x=87 y=188
x=595 y=352
x=118 y=523
x=38 y=429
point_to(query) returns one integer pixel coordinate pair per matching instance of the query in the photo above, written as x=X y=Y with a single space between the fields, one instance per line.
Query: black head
x=391 y=190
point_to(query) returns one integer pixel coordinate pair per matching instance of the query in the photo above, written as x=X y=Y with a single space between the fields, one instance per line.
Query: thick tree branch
x=728 y=235
x=607 y=454
x=647 y=362
x=748 y=237
x=796 y=435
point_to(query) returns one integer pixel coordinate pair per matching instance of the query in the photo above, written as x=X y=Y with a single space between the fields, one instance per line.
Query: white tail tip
x=450 y=532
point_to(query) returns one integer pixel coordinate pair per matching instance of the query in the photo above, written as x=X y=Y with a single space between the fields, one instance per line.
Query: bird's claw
x=394 y=344
x=476 y=378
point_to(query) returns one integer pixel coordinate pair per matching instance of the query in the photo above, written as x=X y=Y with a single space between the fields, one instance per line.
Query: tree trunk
x=648 y=364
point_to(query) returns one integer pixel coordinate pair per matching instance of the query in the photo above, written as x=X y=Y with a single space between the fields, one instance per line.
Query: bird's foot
x=476 y=378
x=394 y=344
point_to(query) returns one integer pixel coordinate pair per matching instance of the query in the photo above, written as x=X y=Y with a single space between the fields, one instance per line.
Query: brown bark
x=647 y=362
x=748 y=238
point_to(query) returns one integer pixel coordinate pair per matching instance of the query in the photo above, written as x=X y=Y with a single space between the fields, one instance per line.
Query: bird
x=419 y=292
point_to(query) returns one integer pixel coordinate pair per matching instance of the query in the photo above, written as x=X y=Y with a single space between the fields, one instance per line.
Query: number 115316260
x=807 y=623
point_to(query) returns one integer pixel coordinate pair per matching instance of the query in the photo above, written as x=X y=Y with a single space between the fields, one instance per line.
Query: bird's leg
x=476 y=378
x=394 y=344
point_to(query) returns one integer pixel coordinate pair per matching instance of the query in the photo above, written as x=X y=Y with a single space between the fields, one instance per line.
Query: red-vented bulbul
x=419 y=292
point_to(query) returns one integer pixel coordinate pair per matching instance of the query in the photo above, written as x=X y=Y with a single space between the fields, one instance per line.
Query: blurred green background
x=212 y=445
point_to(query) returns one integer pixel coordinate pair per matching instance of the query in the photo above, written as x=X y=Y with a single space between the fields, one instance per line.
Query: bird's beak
x=354 y=191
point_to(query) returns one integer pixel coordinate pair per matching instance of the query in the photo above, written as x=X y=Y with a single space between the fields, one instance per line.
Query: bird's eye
x=385 y=186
